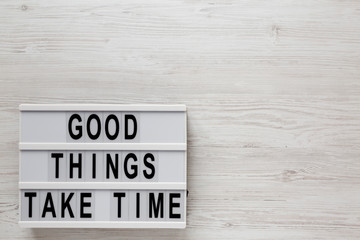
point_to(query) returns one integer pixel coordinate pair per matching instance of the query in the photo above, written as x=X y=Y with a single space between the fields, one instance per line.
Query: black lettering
x=173 y=205
x=57 y=156
x=51 y=208
x=137 y=205
x=110 y=164
x=30 y=195
x=65 y=204
x=119 y=195
x=133 y=167
x=88 y=127
x=127 y=118
x=75 y=165
x=84 y=204
x=108 y=135
x=156 y=207
x=93 y=165
x=78 y=128
x=149 y=165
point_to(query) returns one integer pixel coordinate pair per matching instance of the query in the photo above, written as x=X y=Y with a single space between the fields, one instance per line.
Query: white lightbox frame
x=104 y=146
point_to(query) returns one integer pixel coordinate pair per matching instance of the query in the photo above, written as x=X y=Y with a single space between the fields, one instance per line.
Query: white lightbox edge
x=102 y=107
x=100 y=224
x=104 y=146
x=104 y=185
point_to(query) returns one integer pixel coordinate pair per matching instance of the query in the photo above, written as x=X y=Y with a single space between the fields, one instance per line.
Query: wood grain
x=273 y=96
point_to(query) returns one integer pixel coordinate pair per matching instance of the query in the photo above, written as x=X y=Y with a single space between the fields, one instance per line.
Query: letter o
x=88 y=124
x=108 y=135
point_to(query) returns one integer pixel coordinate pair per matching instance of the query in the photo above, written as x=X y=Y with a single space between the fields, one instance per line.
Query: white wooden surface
x=272 y=89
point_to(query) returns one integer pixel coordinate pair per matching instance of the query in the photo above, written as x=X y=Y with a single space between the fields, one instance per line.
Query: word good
x=76 y=126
